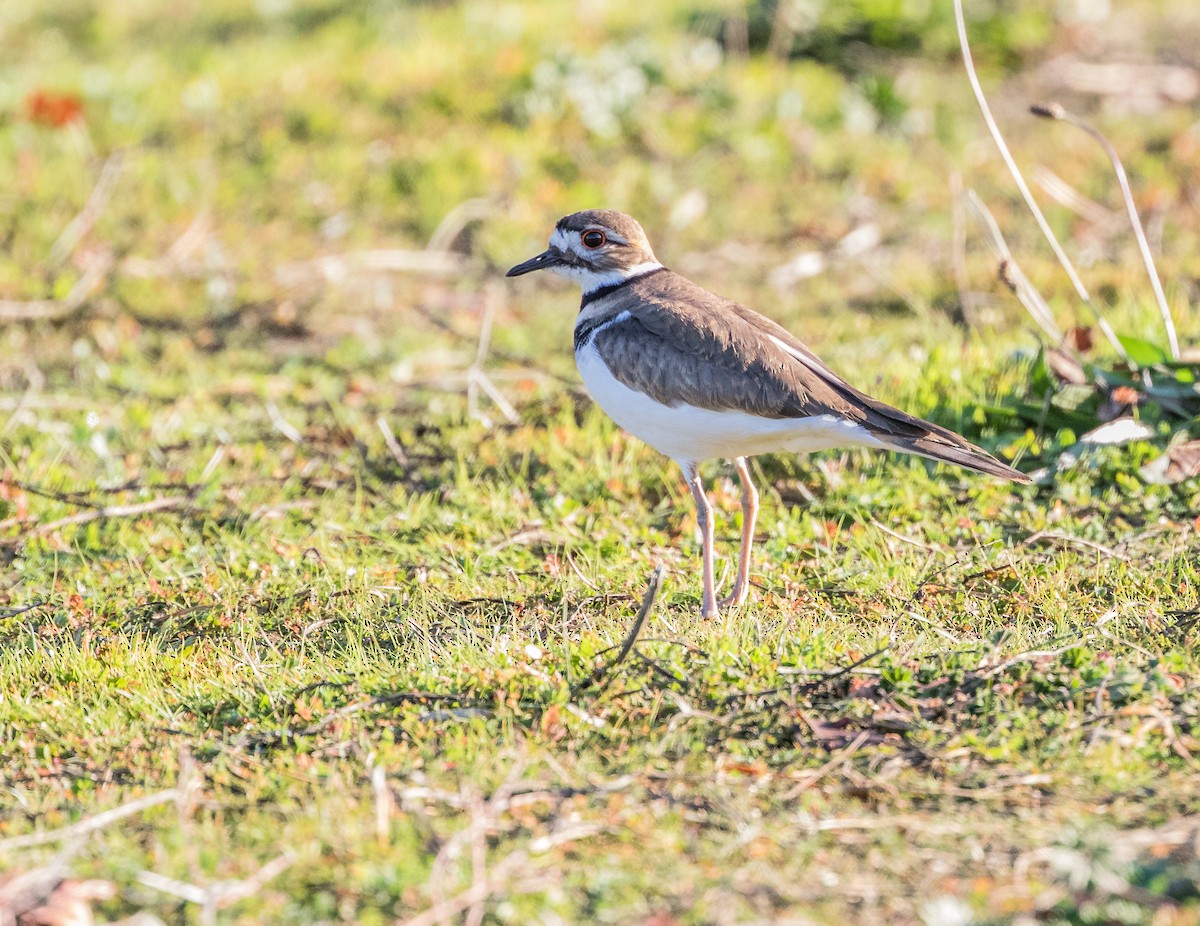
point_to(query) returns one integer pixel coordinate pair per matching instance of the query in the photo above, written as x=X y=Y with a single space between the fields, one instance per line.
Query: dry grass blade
x=958 y=250
x=476 y=378
x=393 y=445
x=96 y=514
x=1066 y=195
x=603 y=674
x=1055 y=537
x=282 y=425
x=336 y=268
x=456 y=220
x=1011 y=274
x=79 y=226
x=1055 y=111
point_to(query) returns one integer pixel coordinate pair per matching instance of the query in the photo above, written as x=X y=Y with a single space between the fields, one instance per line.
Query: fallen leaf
x=1179 y=463
x=1126 y=395
x=1066 y=369
x=52 y=108
x=1079 y=339
x=1121 y=431
x=68 y=904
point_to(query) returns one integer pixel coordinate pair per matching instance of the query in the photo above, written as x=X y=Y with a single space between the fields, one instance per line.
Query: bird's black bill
x=547 y=258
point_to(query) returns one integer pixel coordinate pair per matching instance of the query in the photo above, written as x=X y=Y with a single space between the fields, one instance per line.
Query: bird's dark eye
x=593 y=239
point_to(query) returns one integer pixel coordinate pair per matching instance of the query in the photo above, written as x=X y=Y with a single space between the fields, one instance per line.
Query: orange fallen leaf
x=53 y=108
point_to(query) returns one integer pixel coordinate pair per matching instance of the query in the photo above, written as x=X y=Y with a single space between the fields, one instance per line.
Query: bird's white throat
x=592 y=280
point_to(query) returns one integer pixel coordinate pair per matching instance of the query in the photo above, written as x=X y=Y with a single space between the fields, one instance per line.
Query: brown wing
x=683 y=345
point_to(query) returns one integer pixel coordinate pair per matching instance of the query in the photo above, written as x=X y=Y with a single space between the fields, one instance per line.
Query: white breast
x=689 y=434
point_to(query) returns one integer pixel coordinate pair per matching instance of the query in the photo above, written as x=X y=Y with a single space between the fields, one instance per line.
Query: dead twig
x=216 y=897
x=12 y=310
x=91 y=824
x=14 y=612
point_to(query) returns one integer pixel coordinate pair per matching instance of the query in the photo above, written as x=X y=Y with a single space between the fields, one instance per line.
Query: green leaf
x=1142 y=352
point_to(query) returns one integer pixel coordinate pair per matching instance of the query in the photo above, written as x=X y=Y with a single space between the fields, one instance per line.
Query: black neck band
x=611 y=288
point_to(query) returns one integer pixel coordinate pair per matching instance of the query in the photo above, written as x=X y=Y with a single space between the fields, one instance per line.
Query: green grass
x=947 y=700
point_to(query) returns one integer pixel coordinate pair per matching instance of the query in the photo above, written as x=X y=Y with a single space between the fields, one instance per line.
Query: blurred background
x=217 y=151
x=198 y=196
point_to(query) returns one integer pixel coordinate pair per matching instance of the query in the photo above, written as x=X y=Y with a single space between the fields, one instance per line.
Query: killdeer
x=697 y=376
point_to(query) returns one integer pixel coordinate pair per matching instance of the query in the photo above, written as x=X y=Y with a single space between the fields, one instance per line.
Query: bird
x=698 y=376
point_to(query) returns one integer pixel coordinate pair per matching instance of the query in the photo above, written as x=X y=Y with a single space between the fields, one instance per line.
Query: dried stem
x=1014 y=278
x=1055 y=111
x=1008 y=158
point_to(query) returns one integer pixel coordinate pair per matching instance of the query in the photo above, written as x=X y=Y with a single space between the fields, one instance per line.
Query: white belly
x=689 y=434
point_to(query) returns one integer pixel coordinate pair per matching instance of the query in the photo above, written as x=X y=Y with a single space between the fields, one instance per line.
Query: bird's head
x=595 y=248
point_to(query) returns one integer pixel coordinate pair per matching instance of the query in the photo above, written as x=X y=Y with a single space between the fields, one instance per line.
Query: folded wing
x=680 y=344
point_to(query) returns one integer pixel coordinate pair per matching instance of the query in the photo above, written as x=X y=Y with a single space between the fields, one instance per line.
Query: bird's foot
x=735 y=598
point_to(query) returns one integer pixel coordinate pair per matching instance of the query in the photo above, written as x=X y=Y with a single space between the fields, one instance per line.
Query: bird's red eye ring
x=593 y=239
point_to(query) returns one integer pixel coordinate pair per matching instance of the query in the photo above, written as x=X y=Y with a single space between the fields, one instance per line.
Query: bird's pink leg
x=704 y=518
x=741 y=587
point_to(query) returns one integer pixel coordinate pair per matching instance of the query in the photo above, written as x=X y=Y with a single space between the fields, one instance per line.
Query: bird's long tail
x=948 y=447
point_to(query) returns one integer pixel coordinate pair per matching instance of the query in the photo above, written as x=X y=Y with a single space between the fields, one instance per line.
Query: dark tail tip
x=966 y=455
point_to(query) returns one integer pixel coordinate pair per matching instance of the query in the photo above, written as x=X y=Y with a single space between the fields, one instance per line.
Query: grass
x=385 y=674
